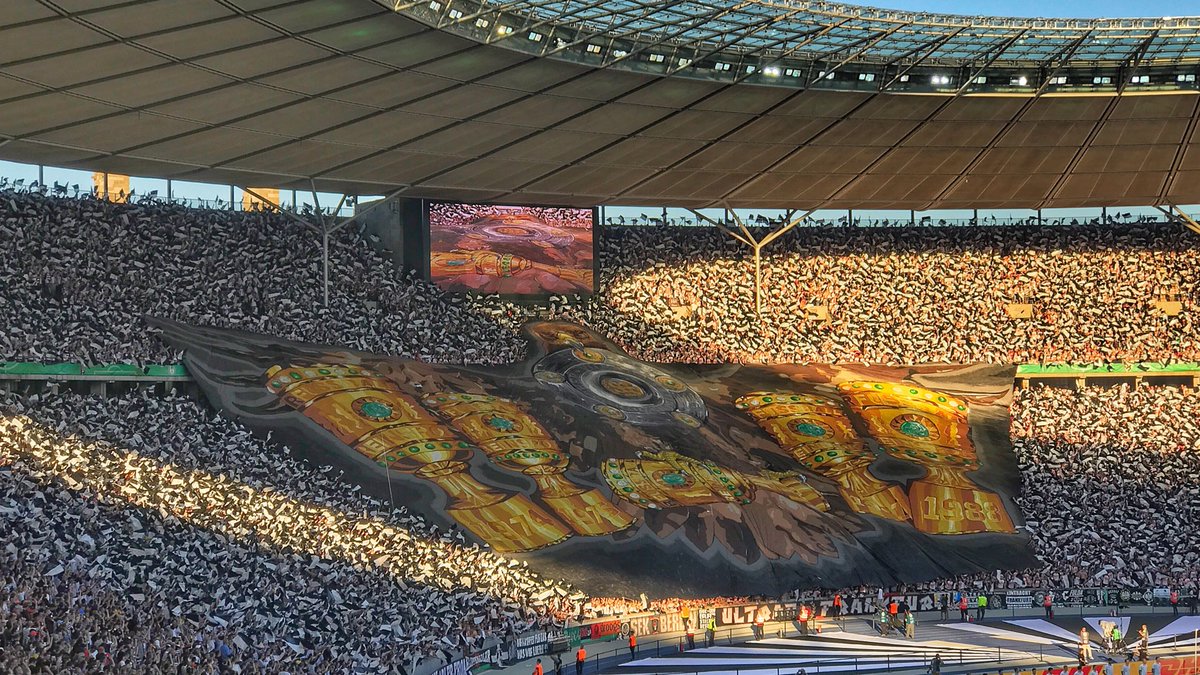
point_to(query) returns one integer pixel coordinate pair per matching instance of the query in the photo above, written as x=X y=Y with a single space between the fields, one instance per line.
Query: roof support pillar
x=329 y=227
x=321 y=227
x=1175 y=213
x=326 y=229
x=756 y=245
x=325 y=264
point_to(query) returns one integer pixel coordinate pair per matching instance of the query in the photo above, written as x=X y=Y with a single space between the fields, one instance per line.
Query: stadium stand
x=903 y=295
x=89 y=270
x=1100 y=465
x=141 y=532
x=1112 y=483
x=155 y=519
x=893 y=295
x=144 y=520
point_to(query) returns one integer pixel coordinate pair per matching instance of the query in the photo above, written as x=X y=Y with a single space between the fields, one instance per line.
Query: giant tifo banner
x=626 y=476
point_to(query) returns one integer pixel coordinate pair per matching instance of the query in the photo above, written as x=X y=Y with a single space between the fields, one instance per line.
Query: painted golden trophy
x=814 y=430
x=370 y=414
x=517 y=442
x=445 y=264
x=667 y=479
x=930 y=428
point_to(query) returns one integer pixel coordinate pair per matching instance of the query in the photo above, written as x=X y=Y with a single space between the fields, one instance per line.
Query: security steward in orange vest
x=802 y=618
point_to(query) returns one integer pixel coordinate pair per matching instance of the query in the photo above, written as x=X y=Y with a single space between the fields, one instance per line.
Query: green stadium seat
x=44 y=369
x=168 y=370
x=116 y=370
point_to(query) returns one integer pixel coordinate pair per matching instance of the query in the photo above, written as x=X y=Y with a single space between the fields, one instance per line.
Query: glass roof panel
x=867 y=33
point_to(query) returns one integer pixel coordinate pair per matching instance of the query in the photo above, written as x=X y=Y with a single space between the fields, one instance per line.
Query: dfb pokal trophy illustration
x=667 y=479
x=817 y=433
x=516 y=441
x=370 y=414
x=930 y=428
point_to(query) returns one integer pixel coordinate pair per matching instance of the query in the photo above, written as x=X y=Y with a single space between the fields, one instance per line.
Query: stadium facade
x=765 y=105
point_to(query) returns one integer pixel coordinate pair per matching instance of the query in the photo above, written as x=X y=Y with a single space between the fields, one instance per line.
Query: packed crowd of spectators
x=81 y=273
x=141 y=521
x=87 y=272
x=145 y=533
x=1111 y=480
x=901 y=295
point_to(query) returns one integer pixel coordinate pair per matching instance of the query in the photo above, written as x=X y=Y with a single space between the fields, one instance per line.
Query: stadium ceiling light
x=771 y=71
x=456 y=14
x=435 y=5
x=504 y=30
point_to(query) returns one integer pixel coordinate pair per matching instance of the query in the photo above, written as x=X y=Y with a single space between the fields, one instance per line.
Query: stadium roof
x=367 y=97
x=693 y=29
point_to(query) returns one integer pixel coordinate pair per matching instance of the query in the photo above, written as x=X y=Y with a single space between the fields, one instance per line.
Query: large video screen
x=511 y=250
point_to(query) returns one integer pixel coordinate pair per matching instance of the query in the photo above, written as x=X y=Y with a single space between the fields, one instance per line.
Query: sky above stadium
x=1057 y=8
